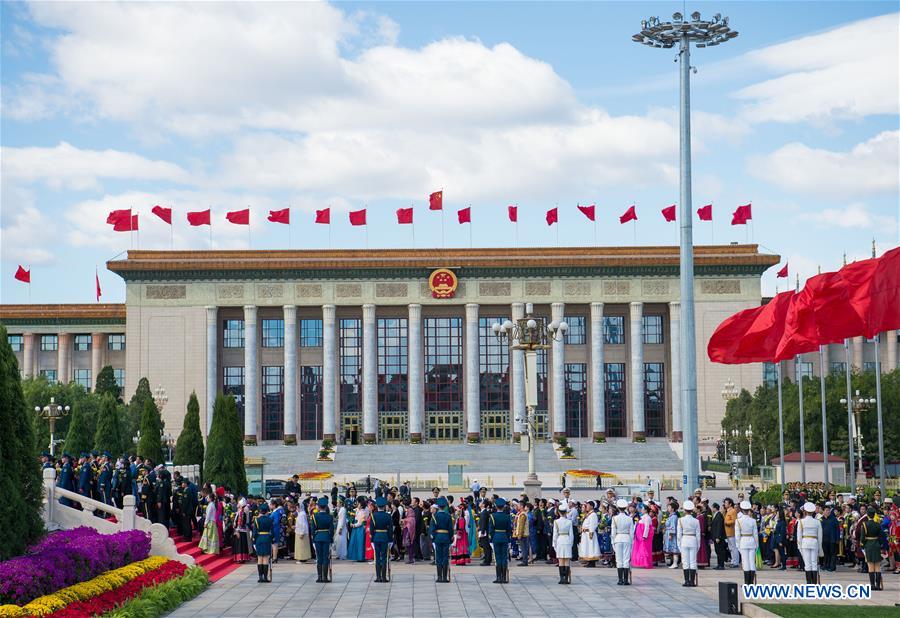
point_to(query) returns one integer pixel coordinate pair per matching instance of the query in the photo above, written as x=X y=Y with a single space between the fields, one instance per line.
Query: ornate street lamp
x=857 y=404
x=52 y=412
x=749 y=435
x=160 y=398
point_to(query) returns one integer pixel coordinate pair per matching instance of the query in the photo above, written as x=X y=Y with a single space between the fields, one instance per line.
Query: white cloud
x=853 y=216
x=870 y=167
x=67 y=166
x=24 y=229
x=848 y=72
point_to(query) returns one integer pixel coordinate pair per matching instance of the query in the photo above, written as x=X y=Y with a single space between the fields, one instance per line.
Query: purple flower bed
x=68 y=557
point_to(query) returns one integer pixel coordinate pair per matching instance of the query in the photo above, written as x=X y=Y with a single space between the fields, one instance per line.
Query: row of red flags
x=24 y=276
x=126 y=221
x=861 y=299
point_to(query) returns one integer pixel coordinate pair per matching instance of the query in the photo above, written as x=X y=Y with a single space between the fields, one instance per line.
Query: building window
x=494 y=362
x=393 y=356
x=652 y=327
x=119 y=375
x=311 y=333
x=577 y=333
x=273 y=333
x=83 y=377
x=770 y=374
x=443 y=364
x=49 y=374
x=233 y=333
x=16 y=342
x=82 y=343
x=351 y=364
x=116 y=342
x=837 y=367
x=311 y=402
x=614 y=329
x=233 y=384
x=869 y=366
x=49 y=343
x=273 y=403
x=655 y=400
x=804 y=370
x=576 y=400
x=614 y=398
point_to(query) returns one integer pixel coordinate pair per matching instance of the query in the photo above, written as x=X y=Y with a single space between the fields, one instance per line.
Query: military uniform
x=322 y=536
x=104 y=480
x=441 y=534
x=380 y=531
x=163 y=496
x=689 y=544
x=809 y=540
x=263 y=524
x=66 y=478
x=622 y=532
x=500 y=531
x=873 y=538
x=747 y=533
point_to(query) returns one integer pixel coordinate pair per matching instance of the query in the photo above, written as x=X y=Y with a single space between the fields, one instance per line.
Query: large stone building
x=356 y=345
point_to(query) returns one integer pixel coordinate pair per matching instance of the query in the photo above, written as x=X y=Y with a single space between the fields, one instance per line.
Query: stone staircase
x=216 y=566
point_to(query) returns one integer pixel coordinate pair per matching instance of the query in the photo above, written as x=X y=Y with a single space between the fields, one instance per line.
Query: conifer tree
x=189 y=448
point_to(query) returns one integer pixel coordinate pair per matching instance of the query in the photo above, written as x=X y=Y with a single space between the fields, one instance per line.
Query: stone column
x=212 y=362
x=473 y=374
x=891 y=337
x=557 y=314
x=329 y=372
x=637 y=372
x=28 y=355
x=598 y=387
x=675 y=368
x=416 y=376
x=858 y=353
x=290 y=374
x=370 y=375
x=251 y=374
x=63 y=358
x=98 y=343
x=517 y=362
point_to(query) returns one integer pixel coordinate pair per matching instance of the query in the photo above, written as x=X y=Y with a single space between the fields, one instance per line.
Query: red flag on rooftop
x=358 y=217
x=436 y=200
x=587 y=211
x=239 y=217
x=280 y=216
x=464 y=215
x=199 y=217
x=163 y=213
x=741 y=215
x=126 y=224
x=705 y=212
x=782 y=272
x=23 y=275
x=552 y=216
x=97 y=285
x=630 y=215
x=513 y=213
x=323 y=216
x=405 y=216
x=116 y=216
x=668 y=213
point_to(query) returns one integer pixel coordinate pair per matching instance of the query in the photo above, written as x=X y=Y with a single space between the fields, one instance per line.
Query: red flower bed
x=110 y=600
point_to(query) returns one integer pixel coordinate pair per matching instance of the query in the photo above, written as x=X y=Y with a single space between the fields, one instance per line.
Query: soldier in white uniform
x=747 y=540
x=689 y=543
x=809 y=541
x=563 y=537
x=621 y=533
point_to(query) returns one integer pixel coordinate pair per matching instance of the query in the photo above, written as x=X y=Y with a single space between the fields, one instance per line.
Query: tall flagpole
x=799 y=376
x=172 y=230
x=210 y=227
x=781 y=425
x=290 y=223
x=824 y=417
x=850 y=431
x=878 y=405
x=249 y=241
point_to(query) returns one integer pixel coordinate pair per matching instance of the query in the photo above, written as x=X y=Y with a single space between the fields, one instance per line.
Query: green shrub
x=189 y=447
x=165 y=597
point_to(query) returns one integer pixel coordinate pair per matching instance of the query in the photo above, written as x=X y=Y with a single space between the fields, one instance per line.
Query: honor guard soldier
x=809 y=540
x=622 y=532
x=441 y=533
x=689 y=543
x=104 y=479
x=500 y=531
x=563 y=537
x=85 y=476
x=66 y=478
x=747 y=540
x=163 y=495
x=262 y=542
x=872 y=537
x=322 y=536
x=380 y=531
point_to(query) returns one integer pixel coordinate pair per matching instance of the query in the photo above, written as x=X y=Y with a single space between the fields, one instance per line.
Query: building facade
x=358 y=346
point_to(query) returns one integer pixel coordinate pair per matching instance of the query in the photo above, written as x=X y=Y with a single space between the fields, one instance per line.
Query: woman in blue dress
x=603 y=530
x=670 y=538
x=356 y=548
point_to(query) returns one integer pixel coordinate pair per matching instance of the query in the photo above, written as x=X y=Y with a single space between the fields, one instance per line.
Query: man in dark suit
x=484 y=540
x=717 y=536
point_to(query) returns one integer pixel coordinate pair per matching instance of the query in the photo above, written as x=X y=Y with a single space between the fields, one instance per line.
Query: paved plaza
x=532 y=591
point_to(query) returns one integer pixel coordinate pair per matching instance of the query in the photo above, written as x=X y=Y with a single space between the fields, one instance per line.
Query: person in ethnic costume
x=210 y=540
x=563 y=537
x=642 y=552
x=340 y=544
x=460 y=548
x=302 y=551
x=322 y=531
x=670 y=540
x=262 y=542
x=356 y=549
x=240 y=542
x=589 y=548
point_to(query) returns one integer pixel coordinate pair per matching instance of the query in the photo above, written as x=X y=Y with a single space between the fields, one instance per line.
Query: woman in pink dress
x=370 y=549
x=642 y=551
x=459 y=552
x=409 y=534
x=703 y=552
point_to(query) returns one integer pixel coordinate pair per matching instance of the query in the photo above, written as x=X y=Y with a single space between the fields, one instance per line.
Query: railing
x=58 y=515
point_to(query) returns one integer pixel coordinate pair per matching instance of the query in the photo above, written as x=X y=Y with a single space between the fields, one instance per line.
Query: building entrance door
x=351 y=433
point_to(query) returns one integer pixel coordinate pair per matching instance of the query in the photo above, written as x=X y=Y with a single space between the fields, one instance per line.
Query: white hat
x=620 y=503
x=688 y=506
x=746 y=506
x=563 y=506
x=829 y=503
x=809 y=507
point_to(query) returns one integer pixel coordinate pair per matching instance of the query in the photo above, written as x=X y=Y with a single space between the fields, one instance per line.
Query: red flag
x=782 y=273
x=163 y=213
x=126 y=224
x=630 y=215
x=23 y=275
x=705 y=212
x=117 y=216
x=405 y=216
x=513 y=213
x=97 y=282
x=760 y=341
x=436 y=200
x=358 y=217
x=280 y=216
x=587 y=211
x=200 y=217
x=741 y=215
x=464 y=215
x=668 y=213
x=323 y=216
x=874 y=291
x=552 y=216
x=239 y=217
x=724 y=342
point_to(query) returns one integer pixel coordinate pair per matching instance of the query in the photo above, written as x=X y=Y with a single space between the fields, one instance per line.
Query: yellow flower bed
x=47 y=604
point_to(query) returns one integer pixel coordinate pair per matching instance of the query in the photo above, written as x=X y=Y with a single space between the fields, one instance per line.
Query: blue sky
x=109 y=106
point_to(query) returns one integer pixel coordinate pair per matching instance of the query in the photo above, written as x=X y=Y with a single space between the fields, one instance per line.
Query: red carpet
x=216 y=565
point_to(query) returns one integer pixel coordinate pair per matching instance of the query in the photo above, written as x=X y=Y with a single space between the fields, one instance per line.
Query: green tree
x=136 y=407
x=189 y=447
x=106 y=383
x=108 y=436
x=150 y=444
x=38 y=391
x=20 y=477
x=224 y=447
x=80 y=437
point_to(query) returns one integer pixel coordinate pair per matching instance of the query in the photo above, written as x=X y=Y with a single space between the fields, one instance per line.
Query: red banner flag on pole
x=760 y=342
x=404 y=216
x=116 y=216
x=552 y=216
x=23 y=275
x=126 y=224
x=668 y=213
x=464 y=215
x=741 y=215
x=705 y=212
x=323 y=216
x=239 y=217
x=630 y=215
x=513 y=213
x=199 y=217
x=358 y=217
x=782 y=272
x=280 y=216
x=436 y=200
x=587 y=211
x=163 y=213
x=97 y=285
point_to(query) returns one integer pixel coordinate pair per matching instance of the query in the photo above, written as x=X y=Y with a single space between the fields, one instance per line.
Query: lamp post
x=724 y=435
x=857 y=404
x=52 y=412
x=169 y=440
x=664 y=35
x=530 y=334
x=749 y=435
x=160 y=398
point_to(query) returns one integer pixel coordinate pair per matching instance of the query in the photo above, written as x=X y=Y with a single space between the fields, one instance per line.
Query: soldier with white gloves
x=621 y=532
x=747 y=540
x=689 y=543
x=809 y=541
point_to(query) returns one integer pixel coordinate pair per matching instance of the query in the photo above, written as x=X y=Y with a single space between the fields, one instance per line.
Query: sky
x=375 y=105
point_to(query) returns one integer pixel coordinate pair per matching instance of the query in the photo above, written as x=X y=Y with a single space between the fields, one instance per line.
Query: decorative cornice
x=74 y=314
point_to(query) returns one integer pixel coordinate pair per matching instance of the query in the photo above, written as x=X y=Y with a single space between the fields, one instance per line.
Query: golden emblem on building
x=442 y=283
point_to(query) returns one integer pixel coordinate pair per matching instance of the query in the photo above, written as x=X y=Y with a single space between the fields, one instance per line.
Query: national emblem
x=442 y=283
